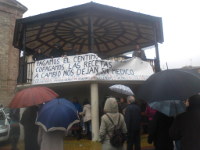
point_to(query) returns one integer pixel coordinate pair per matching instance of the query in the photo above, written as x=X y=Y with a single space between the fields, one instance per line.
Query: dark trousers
x=87 y=126
x=133 y=139
x=14 y=135
x=30 y=139
x=77 y=131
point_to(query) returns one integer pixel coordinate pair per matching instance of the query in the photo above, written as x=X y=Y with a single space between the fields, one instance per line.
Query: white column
x=95 y=111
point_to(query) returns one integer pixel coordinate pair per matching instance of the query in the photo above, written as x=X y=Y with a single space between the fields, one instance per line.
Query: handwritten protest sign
x=89 y=67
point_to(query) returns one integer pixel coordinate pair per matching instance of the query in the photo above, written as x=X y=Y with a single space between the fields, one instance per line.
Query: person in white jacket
x=86 y=114
x=50 y=140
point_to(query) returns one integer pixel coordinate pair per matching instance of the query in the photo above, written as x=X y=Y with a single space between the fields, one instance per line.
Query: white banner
x=89 y=67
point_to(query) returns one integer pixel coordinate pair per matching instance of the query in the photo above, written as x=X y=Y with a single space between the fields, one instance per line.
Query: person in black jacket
x=14 y=128
x=57 y=51
x=38 y=55
x=30 y=128
x=186 y=126
x=133 y=120
x=159 y=132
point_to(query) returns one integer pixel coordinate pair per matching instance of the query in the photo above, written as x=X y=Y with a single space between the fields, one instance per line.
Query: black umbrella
x=174 y=84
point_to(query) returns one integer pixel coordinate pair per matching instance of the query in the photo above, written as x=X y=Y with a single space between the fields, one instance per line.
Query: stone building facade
x=10 y=10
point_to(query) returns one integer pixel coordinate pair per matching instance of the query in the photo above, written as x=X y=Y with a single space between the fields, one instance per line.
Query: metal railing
x=25 y=72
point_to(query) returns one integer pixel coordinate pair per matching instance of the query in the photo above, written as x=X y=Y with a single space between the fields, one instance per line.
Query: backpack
x=118 y=137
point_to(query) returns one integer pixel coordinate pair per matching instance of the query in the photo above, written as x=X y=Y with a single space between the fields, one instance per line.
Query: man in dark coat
x=186 y=126
x=133 y=120
x=139 y=53
x=159 y=132
x=38 y=55
x=14 y=128
x=30 y=128
x=57 y=51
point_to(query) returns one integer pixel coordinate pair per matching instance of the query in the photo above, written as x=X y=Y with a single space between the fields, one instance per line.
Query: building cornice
x=13 y=5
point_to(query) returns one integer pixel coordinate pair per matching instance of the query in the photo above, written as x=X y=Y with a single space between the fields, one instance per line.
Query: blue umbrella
x=58 y=114
x=169 y=107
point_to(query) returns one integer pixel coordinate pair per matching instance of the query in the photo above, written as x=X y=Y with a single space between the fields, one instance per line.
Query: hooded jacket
x=106 y=127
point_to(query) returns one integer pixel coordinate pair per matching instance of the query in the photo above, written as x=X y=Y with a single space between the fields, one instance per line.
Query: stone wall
x=10 y=10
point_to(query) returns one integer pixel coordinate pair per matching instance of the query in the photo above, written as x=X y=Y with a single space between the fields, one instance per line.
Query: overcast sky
x=181 y=24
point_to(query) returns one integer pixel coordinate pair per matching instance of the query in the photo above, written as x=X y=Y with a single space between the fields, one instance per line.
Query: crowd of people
x=164 y=132
x=179 y=132
x=57 y=51
x=36 y=138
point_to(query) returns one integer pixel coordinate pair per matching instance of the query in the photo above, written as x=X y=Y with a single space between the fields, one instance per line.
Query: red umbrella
x=32 y=96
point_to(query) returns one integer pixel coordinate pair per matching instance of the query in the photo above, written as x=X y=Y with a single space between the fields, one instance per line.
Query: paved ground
x=83 y=144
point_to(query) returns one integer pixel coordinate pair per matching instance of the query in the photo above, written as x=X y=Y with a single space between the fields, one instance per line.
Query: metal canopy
x=90 y=27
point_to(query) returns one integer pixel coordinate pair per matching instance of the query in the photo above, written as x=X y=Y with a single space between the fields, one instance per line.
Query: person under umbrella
x=55 y=118
x=133 y=121
x=50 y=140
x=30 y=128
x=31 y=98
x=167 y=87
x=14 y=128
x=150 y=112
x=186 y=126
x=159 y=132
